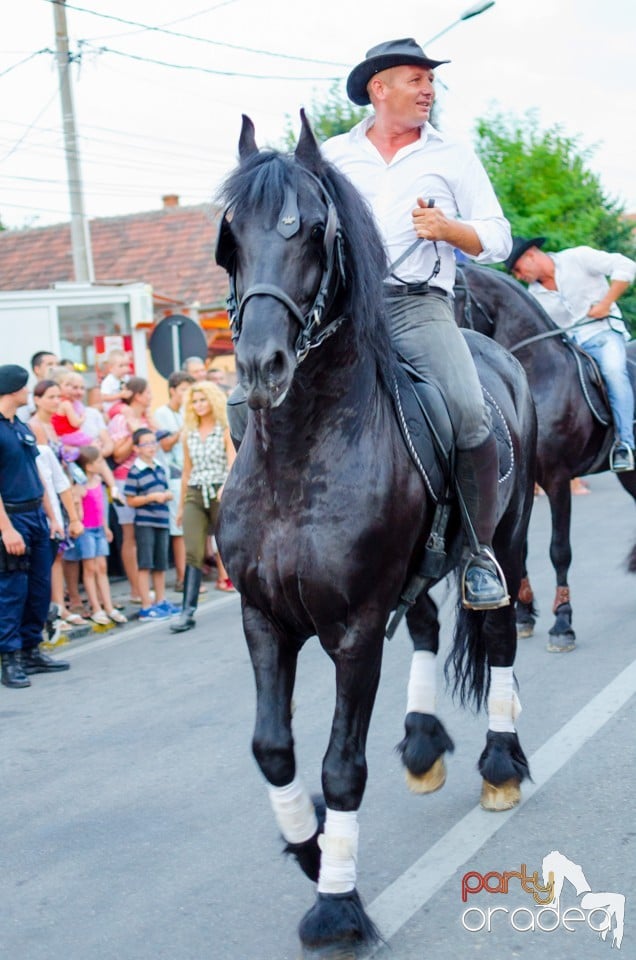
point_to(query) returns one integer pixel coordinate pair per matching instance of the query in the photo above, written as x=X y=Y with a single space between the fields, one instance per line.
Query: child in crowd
x=114 y=383
x=91 y=433
x=93 y=543
x=147 y=493
x=68 y=420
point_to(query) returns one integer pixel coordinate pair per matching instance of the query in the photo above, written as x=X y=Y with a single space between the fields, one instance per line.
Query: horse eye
x=317 y=232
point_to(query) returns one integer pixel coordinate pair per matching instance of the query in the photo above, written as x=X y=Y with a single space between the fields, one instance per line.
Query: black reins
x=437 y=266
x=470 y=299
x=312 y=332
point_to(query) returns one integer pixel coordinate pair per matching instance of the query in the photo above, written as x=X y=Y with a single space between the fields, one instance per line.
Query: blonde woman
x=208 y=454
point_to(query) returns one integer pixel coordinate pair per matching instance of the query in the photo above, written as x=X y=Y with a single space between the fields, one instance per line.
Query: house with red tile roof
x=170 y=252
x=171 y=249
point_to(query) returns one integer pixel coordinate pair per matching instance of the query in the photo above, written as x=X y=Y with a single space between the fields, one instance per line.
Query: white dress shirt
x=581 y=280
x=54 y=479
x=434 y=167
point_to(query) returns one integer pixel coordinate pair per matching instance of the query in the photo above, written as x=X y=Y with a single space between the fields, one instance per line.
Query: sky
x=159 y=113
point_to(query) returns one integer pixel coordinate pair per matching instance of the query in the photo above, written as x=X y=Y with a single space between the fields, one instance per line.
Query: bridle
x=312 y=332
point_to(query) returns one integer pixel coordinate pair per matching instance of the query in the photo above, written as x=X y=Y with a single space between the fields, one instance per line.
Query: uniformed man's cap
x=12 y=378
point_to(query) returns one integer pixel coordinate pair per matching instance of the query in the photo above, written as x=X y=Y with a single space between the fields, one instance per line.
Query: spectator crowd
x=117 y=473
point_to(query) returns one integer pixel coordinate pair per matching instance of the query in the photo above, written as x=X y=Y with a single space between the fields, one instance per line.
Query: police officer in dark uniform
x=25 y=555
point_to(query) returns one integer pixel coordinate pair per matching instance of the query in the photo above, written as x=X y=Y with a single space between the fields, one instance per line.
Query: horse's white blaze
x=503 y=703
x=339 y=852
x=422 y=683
x=294 y=811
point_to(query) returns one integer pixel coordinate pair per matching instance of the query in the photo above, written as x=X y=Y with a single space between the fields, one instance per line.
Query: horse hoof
x=525 y=630
x=560 y=644
x=337 y=925
x=503 y=797
x=434 y=778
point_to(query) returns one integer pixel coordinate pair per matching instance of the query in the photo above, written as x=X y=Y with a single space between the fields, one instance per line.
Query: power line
x=29 y=128
x=126 y=163
x=127 y=134
x=196 y=69
x=190 y=36
x=167 y=23
x=26 y=60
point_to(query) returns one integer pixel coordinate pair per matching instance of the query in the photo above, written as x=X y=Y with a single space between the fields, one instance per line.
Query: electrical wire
x=190 y=36
x=196 y=69
x=166 y=23
x=26 y=60
x=29 y=128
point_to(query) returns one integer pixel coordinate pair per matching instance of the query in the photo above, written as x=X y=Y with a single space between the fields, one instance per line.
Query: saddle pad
x=428 y=432
x=426 y=427
x=592 y=383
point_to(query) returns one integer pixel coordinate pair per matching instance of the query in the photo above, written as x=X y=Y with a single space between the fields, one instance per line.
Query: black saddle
x=426 y=427
x=428 y=431
x=591 y=382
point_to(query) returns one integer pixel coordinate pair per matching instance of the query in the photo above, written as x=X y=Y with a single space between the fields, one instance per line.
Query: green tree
x=546 y=187
x=328 y=117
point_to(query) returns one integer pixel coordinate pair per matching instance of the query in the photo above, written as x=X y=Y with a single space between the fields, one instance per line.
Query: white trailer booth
x=68 y=319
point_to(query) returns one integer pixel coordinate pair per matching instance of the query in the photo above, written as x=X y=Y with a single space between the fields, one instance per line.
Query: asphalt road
x=135 y=824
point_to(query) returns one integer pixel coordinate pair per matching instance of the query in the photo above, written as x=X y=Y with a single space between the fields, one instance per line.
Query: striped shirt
x=143 y=479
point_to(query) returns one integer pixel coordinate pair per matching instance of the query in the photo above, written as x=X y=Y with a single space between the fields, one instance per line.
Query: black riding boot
x=191 y=587
x=483 y=583
x=34 y=661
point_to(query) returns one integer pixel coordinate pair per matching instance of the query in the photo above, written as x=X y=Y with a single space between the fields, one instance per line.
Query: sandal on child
x=74 y=620
x=117 y=617
x=101 y=618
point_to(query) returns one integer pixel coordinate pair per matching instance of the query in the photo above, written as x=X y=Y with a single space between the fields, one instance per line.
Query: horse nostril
x=277 y=366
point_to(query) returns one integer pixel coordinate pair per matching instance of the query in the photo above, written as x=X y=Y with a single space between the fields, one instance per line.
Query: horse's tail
x=631 y=561
x=465 y=669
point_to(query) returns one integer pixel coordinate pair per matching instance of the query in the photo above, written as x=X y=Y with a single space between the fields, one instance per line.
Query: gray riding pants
x=424 y=332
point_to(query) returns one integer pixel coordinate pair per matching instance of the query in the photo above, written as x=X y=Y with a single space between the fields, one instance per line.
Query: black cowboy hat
x=519 y=247
x=391 y=53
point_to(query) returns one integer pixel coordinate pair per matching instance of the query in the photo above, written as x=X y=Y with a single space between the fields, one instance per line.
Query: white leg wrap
x=339 y=852
x=294 y=811
x=422 y=683
x=503 y=703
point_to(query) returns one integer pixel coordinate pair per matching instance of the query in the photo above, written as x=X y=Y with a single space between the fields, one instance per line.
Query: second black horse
x=575 y=431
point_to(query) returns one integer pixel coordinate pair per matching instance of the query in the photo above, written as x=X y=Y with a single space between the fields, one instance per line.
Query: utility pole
x=80 y=236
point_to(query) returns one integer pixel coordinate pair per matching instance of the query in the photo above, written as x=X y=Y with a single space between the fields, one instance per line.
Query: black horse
x=575 y=431
x=324 y=516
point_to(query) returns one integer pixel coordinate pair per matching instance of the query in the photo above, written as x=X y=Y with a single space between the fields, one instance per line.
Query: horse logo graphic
x=612 y=904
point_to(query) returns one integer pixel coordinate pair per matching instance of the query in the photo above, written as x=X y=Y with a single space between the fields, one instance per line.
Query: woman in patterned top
x=208 y=454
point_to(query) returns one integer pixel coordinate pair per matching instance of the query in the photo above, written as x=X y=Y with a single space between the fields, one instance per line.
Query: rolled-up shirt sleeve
x=616 y=266
x=479 y=208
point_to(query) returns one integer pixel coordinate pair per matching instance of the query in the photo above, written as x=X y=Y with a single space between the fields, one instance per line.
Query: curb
x=93 y=640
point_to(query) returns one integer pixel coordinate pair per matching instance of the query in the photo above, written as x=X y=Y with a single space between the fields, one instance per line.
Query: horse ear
x=247 y=140
x=307 y=151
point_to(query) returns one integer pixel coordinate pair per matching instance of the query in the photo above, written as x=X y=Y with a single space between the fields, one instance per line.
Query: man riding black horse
x=395 y=159
x=572 y=288
x=398 y=161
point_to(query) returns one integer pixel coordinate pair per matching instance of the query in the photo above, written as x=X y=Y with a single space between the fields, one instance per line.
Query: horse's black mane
x=259 y=183
x=516 y=288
